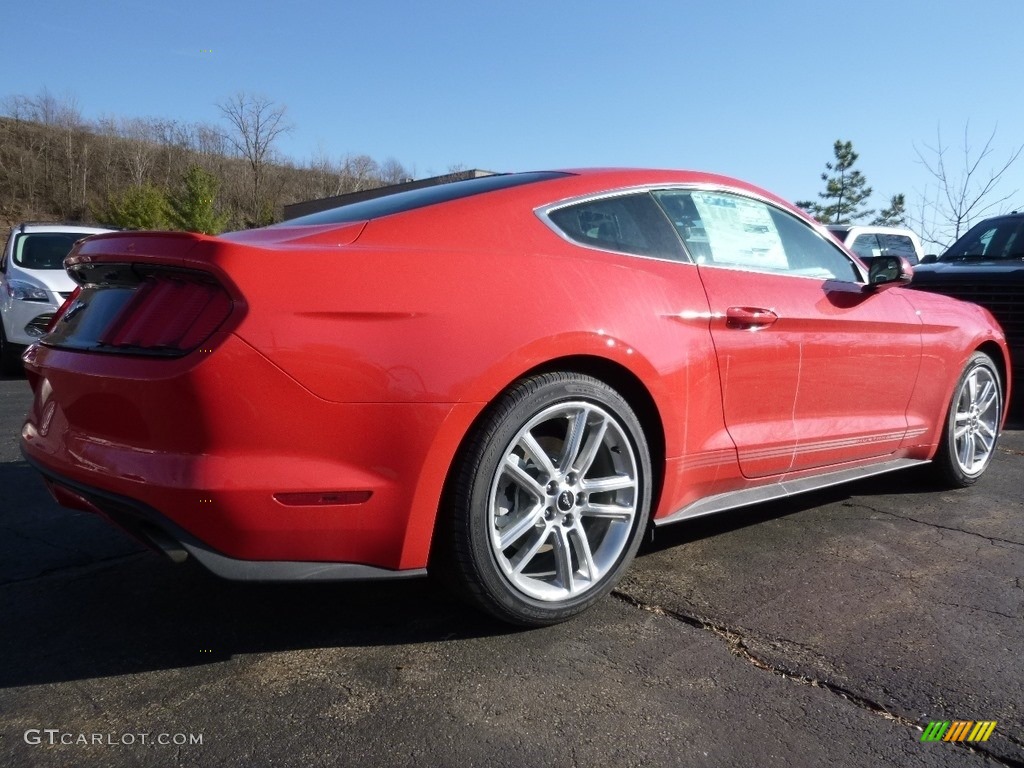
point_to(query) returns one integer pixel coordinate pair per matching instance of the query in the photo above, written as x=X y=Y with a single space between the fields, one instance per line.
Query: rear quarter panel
x=459 y=321
x=376 y=323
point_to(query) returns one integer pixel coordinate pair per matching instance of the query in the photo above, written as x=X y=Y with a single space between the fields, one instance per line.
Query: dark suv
x=986 y=266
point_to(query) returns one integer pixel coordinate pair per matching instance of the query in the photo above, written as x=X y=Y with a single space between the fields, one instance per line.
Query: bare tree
x=51 y=163
x=256 y=123
x=361 y=172
x=327 y=178
x=138 y=150
x=965 y=188
x=16 y=106
x=48 y=109
x=105 y=157
x=65 y=151
x=393 y=172
x=174 y=139
x=208 y=141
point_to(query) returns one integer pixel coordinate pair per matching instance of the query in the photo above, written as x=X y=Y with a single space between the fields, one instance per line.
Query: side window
x=1010 y=247
x=810 y=254
x=732 y=231
x=898 y=245
x=866 y=246
x=999 y=238
x=627 y=223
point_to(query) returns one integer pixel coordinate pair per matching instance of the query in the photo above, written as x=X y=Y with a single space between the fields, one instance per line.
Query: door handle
x=749 y=317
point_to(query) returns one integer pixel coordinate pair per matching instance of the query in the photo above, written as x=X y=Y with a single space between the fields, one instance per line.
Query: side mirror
x=887 y=271
x=931 y=258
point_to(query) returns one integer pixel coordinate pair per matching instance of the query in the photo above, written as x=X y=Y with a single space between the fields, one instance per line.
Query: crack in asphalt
x=991 y=539
x=1011 y=451
x=983 y=610
x=737 y=646
x=736 y=643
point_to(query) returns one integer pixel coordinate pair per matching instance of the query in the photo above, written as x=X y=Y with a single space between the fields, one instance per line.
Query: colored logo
x=958 y=730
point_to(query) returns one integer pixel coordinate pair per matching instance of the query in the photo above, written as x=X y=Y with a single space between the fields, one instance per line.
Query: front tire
x=972 y=424
x=549 y=500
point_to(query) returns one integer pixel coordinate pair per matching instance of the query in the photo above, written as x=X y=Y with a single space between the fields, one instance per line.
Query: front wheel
x=549 y=500
x=972 y=424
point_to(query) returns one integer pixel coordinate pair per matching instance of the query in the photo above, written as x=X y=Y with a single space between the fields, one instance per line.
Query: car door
x=817 y=368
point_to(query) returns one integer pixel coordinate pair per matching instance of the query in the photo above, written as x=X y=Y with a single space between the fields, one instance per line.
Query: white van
x=33 y=284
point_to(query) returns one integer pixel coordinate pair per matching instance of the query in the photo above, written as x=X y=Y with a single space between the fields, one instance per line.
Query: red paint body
x=358 y=356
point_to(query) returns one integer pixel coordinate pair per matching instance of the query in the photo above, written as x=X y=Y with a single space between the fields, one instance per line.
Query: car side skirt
x=747 y=496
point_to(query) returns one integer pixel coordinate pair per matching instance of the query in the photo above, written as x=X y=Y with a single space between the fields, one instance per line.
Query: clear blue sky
x=758 y=90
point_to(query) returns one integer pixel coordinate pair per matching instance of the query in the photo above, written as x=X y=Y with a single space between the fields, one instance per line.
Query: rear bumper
x=206 y=450
x=161 y=534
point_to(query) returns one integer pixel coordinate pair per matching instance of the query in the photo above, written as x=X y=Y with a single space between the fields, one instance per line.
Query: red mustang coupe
x=507 y=379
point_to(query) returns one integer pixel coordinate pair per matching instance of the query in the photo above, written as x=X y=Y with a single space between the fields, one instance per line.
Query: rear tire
x=548 y=501
x=972 y=424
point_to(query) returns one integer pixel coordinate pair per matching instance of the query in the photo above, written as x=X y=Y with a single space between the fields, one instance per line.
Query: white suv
x=870 y=242
x=33 y=283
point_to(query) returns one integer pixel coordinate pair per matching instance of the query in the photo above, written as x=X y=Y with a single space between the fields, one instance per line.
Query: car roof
x=546 y=188
x=612 y=178
x=550 y=189
x=878 y=228
x=29 y=227
x=1003 y=217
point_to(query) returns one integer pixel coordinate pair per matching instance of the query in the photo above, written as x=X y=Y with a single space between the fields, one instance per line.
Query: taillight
x=63 y=308
x=168 y=312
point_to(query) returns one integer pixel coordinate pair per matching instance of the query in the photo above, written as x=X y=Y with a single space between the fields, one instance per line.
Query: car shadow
x=137 y=613
x=79 y=599
x=1015 y=412
x=20 y=374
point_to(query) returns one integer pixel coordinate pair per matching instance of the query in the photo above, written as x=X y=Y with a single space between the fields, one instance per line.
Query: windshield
x=45 y=250
x=999 y=238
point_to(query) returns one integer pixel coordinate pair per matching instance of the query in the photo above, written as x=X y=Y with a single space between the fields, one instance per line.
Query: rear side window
x=626 y=223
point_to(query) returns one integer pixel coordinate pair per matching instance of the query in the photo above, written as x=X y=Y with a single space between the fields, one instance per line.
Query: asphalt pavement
x=829 y=629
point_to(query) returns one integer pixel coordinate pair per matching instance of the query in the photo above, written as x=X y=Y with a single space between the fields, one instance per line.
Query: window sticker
x=741 y=232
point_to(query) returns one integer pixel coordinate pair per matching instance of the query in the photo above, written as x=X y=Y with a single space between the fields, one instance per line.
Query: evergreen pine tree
x=143 y=207
x=893 y=216
x=192 y=209
x=846 y=190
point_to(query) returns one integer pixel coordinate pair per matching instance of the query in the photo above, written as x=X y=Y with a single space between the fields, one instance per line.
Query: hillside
x=66 y=169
